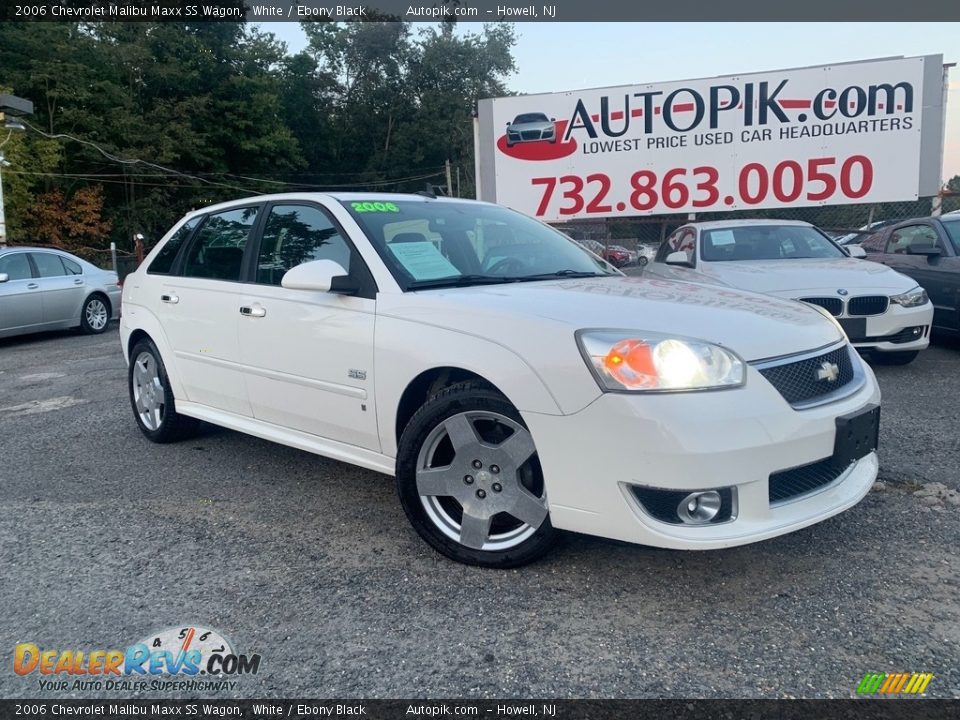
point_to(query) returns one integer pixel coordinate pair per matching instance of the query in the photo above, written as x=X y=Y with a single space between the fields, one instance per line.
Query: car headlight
x=632 y=361
x=911 y=298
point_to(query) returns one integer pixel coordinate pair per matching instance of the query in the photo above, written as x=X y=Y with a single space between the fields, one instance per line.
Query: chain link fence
x=835 y=220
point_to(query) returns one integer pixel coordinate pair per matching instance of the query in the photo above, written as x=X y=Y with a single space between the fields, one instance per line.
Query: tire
x=151 y=398
x=642 y=261
x=896 y=358
x=508 y=477
x=95 y=314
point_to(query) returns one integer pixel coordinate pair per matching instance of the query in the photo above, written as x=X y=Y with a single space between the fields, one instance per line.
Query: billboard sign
x=850 y=133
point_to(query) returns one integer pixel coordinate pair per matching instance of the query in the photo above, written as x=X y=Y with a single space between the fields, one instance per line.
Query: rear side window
x=168 y=253
x=16 y=266
x=48 y=265
x=296 y=234
x=217 y=251
x=72 y=268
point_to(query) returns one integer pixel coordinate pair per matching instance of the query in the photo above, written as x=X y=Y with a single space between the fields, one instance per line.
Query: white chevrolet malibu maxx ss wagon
x=514 y=383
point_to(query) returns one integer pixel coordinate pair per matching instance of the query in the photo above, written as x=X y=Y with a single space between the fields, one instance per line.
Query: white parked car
x=513 y=383
x=881 y=310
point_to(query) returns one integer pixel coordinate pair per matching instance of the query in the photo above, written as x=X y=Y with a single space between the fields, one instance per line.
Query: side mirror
x=508 y=123
x=4 y=277
x=928 y=250
x=855 y=251
x=319 y=276
x=553 y=119
x=678 y=258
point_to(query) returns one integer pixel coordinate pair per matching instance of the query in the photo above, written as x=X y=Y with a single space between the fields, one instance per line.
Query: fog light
x=699 y=507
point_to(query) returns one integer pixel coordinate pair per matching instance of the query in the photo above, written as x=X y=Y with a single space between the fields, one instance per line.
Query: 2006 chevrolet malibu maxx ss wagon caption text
x=514 y=383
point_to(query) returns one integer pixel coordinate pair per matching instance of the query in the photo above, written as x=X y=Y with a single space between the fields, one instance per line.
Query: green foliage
x=365 y=104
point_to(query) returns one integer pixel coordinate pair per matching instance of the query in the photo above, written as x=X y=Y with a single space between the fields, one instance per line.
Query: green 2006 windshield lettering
x=363 y=207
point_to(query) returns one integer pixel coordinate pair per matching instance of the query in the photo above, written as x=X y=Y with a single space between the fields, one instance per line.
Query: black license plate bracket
x=857 y=435
x=855 y=328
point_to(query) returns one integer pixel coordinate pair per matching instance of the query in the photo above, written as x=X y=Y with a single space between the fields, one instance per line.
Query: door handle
x=32 y=286
x=172 y=299
x=254 y=311
x=78 y=281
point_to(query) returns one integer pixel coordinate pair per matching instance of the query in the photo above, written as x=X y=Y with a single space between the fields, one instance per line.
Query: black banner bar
x=854 y=709
x=479 y=11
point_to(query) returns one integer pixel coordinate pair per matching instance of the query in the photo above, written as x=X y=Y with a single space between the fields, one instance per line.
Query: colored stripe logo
x=894 y=683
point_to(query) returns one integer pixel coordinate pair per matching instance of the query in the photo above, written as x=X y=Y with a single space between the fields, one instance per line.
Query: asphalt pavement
x=106 y=538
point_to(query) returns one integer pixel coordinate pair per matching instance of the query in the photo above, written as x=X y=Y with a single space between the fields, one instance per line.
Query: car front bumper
x=695 y=441
x=889 y=332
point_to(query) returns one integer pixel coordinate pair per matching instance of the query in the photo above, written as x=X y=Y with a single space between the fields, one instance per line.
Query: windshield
x=530 y=118
x=766 y=242
x=443 y=243
x=953 y=230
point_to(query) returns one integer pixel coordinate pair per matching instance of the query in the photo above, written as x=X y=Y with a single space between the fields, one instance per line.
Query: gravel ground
x=105 y=537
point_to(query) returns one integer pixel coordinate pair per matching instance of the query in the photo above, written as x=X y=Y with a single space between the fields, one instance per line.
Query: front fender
x=405 y=350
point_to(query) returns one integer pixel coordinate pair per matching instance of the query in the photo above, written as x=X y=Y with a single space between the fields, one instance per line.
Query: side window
x=48 y=264
x=16 y=266
x=668 y=246
x=168 y=253
x=296 y=234
x=903 y=238
x=872 y=243
x=217 y=251
x=72 y=268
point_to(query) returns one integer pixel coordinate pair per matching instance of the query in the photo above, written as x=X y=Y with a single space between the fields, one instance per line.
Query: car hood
x=795 y=278
x=518 y=315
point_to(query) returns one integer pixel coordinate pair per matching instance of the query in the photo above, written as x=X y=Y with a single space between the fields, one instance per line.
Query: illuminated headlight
x=911 y=298
x=650 y=362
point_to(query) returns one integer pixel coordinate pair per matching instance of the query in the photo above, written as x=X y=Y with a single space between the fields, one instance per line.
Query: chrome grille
x=834 y=306
x=799 y=381
x=868 y=305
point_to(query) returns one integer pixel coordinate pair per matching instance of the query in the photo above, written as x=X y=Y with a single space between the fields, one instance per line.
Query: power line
x=198 y=178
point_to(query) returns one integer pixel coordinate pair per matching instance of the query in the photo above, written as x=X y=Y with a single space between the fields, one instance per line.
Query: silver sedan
x=46 y=289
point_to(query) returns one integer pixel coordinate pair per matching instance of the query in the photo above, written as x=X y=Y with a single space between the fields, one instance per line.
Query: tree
x=74 y=223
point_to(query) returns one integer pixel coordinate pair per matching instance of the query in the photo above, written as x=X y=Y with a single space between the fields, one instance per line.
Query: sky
x=553 y=57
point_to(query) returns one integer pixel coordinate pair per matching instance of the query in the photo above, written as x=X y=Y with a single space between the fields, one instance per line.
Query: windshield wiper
x=460 y=281
x=561 y=274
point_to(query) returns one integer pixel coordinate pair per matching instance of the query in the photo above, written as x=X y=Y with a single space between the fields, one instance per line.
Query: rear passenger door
x=199 y=308
x=308 y=356
x=63 y=292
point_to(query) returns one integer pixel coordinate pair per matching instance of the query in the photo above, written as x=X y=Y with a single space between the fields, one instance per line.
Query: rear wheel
x=152 y=399
x=95 y=315
x=470 y=481
x=896 y=358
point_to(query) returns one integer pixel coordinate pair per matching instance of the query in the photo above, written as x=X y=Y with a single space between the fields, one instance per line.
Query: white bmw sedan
x=881 y=311
x=512 y=382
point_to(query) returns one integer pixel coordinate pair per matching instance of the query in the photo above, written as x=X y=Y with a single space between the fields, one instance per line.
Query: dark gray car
x=928 y=250
x=47 y=289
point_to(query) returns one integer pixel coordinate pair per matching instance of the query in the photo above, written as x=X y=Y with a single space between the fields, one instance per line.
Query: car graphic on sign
x=531 y=127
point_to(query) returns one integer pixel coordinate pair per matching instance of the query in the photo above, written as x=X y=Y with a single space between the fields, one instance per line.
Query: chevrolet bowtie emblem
x=828 y=371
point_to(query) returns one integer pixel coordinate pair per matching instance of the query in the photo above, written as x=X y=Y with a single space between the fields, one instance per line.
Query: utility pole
x=449 y=179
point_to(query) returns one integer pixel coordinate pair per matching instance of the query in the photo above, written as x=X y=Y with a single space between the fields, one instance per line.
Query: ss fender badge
x=357 y=374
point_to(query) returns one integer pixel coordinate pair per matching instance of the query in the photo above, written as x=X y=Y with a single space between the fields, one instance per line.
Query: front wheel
x=642 y=261
x=470 y=481
x=152 y=399
x=896 y=358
